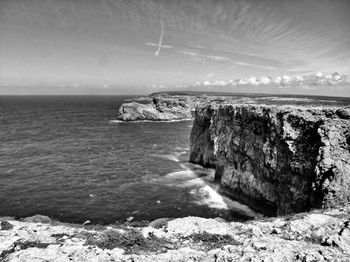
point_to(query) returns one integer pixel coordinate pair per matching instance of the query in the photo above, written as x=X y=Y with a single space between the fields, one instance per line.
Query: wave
x=274 y=98
x=197 y=180
x=181 y=175
x=203 y=191
x=151 y=121
x=172 y=157
x=208 y=196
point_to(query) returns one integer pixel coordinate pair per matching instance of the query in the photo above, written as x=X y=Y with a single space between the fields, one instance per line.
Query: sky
x=139 y=46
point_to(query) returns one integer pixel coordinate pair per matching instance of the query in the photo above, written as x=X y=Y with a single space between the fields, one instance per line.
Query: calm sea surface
x=67 y=158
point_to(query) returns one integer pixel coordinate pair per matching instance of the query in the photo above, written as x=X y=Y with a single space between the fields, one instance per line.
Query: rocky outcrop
x=159 y=109
x=277 y=159
x=165 y=107
x=315 y=236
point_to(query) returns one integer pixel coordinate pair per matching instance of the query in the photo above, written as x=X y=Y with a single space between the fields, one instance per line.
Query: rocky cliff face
x=165 y=107
x=159 y=109
x=277 y=159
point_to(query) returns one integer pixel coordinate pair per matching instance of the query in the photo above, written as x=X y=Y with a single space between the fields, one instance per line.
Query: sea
x=69 y=158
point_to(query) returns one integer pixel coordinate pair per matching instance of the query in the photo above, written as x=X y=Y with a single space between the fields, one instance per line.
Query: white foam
x=199 y=181
x=209 y=197
x=116 y=121
x=151 y=121
x=168 y=157
x=181 y=175
x=287 y=99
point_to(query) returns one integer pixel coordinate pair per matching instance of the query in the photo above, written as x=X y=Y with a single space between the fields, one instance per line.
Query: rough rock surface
x=277 y=159
x=315 y=236
x=159 y=109
x=164 y=107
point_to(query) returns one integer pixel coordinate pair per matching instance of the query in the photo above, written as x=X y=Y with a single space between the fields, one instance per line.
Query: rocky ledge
x=314 y=236
x=276 y=159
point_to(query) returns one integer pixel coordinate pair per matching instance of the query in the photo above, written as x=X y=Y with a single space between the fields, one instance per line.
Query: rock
x=192 y=225
x=186 y=239
x=343 y=113
x=160 y=109
x=220 y=219
x=260 y=245
x=277 y=159
x=4 y=225
x=159 y=223
x=164 y=107
x=38 y=219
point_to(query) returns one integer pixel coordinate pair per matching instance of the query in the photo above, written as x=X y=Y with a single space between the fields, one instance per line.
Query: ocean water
x=66 y=157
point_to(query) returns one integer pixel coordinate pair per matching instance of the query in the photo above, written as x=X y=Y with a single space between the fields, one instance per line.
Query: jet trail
x=160 y=39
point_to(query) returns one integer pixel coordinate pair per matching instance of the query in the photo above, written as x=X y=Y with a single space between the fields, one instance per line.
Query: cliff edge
x=277 y=159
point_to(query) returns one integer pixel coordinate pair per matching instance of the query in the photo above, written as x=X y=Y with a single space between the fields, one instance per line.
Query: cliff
x=167 y=107
x=159 y=109
x=277 y=159
x=315 y=236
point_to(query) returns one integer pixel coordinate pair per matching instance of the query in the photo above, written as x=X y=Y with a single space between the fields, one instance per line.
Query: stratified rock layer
x=277 y=159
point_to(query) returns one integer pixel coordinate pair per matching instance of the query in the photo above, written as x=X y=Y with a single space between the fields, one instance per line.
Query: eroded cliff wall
x=277 y=159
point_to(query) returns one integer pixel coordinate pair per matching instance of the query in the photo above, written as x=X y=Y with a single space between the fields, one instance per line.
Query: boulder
x=38 y=219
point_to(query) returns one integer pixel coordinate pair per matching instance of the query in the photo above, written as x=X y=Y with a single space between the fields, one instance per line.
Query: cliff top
x=307 y=110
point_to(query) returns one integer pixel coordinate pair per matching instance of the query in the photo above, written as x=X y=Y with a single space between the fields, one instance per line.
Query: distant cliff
x=165 y=107
x=278 y=159
x=158 y=109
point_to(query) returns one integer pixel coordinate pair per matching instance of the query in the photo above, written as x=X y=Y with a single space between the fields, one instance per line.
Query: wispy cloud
x=190 y=53
x=156 y=45
x=218 y=58
x=210 y=75
x=197 y=54
x=254 y=65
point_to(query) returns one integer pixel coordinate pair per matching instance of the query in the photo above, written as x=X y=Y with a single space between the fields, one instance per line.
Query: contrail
x=160 y=39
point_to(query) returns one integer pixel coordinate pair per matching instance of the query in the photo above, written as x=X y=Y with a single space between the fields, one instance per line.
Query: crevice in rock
x=322 y=190
x=21 y=245
x=347 y=139
x=345 y=226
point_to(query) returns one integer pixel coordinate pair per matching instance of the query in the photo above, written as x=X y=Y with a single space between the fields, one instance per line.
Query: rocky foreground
x=314 y=236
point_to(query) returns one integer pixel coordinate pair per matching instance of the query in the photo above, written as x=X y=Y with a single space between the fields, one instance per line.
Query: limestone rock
x=4 y=225
x=277 y=159
x=38 y=219
x=164 y=107
x=160 y=109
x=316 y=236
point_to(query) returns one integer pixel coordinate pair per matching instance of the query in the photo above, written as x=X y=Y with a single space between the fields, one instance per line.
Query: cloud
x=254 y=65
x=190 y=53
x=205 y=57
x=156 y=45
x=218 y=58
x=209 y=75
